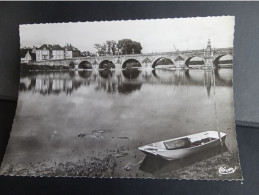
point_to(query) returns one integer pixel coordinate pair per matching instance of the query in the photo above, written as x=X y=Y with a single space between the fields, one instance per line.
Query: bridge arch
x=198 y=60
x=85 y=65
x=131 y=63
x=217 y=59
x=164 y=61
x=106 y=64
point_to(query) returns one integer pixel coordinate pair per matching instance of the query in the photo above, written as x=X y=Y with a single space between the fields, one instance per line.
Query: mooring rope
x=215 y=105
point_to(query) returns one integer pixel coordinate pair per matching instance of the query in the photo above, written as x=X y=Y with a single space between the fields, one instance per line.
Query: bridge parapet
x=146 y=60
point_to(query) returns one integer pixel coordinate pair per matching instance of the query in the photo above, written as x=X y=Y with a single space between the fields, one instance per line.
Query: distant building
x=47 y=52
x=43 y=53
x=27 y=55
x=71 y=51
x=57 y=52
x=179 y=61
x=208 y=52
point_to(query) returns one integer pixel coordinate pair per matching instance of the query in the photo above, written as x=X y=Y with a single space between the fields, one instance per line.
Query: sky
x=156 y=35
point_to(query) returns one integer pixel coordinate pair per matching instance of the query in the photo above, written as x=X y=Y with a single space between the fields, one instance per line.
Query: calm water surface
x=114 y=109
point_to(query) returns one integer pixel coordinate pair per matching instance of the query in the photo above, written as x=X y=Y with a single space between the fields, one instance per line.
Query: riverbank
x=32 y=67
x=125 y=161
x=209 y=169
x=105 y=167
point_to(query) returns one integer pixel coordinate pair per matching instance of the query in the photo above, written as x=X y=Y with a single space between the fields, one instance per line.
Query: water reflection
x=106 y=81
x=131 y=73
x=85 y=74
x=121 y=81
x=105 y=73
x=128 y=88
x=208 y=81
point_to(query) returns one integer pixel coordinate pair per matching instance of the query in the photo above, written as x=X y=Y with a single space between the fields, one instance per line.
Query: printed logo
x=227 y=170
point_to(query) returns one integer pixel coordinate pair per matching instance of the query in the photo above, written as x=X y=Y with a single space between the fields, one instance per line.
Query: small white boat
x=184 y=146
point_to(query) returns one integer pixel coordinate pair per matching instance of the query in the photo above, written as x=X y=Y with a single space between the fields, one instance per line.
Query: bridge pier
x=208 y=62
x=95 y=67
x=147 y=65
x=118 y=66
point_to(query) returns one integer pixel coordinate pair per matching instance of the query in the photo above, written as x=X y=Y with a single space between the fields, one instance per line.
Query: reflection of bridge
x=122 y=81
x=178 y=59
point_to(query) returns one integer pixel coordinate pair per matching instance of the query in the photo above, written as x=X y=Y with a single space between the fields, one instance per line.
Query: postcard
x=126 y=99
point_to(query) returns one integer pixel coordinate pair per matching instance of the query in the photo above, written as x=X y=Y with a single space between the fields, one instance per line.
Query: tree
x=136 y=47
x=86 y=54
x=104 y=49
x=113 y=47
x=108 y=47
x=98 y=47
x=127 y=46
x=124 y=46
x=101 y=49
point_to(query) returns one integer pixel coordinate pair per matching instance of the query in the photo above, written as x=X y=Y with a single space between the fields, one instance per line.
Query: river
x=68 y=116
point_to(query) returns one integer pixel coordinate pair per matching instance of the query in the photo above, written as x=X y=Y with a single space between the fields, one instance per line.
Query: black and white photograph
x=126 y=99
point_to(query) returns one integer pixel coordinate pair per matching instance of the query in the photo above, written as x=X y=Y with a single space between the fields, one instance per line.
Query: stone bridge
x=180 y=59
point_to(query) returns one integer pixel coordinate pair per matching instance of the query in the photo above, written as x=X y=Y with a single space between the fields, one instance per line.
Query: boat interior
x=185 y=143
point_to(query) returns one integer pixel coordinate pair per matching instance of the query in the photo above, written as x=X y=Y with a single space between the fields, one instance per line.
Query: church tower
x=209 y=45
x=208 y=54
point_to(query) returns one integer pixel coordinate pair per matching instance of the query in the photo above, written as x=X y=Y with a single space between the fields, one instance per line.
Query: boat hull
x=159 y=150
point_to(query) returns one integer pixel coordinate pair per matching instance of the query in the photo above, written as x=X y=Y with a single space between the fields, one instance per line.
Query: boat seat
x=177 y=144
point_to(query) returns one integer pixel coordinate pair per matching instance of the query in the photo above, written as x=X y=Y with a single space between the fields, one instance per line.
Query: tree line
x=121 y=47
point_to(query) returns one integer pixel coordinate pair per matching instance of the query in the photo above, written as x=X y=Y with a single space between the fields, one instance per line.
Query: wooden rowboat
x=184 y=146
